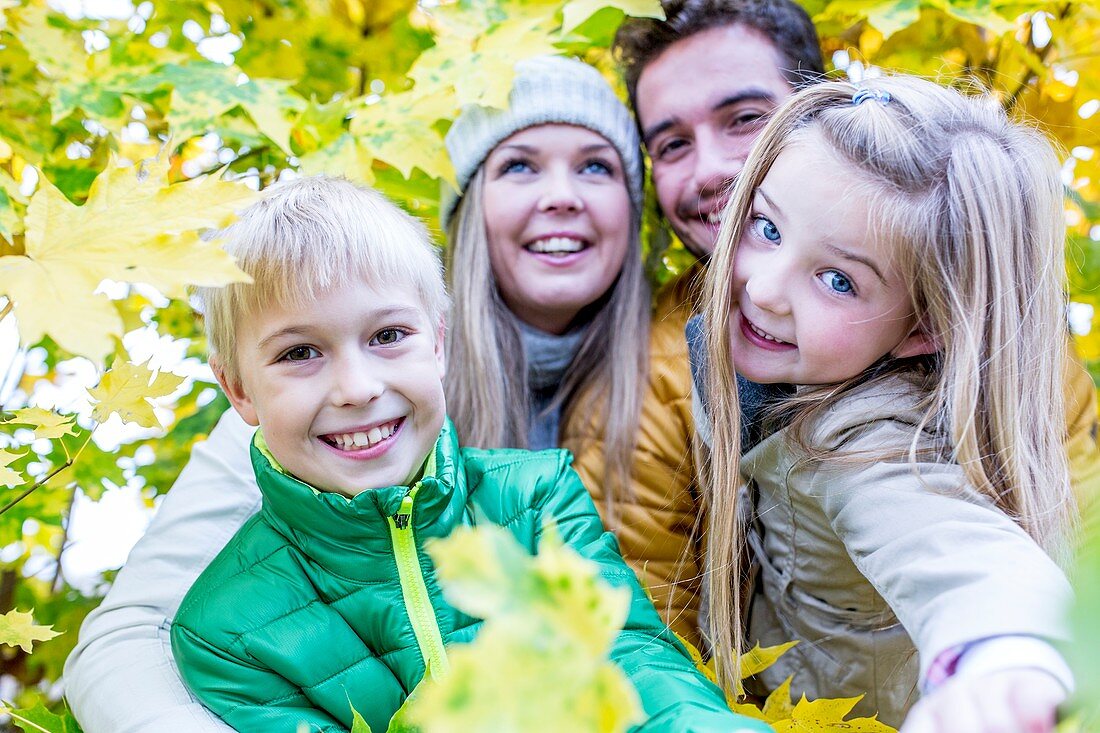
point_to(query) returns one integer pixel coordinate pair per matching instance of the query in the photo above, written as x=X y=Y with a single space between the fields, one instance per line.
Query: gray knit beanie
x=546 y=90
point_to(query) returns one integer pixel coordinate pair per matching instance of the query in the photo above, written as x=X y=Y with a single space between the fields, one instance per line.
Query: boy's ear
x=234 y=390
x=918 y=343
x=441 y=348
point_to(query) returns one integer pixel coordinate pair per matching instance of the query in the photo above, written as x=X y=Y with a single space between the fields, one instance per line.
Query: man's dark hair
x=783 y=22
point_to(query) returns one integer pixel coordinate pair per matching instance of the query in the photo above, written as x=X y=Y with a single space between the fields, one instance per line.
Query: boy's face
x=348 y=388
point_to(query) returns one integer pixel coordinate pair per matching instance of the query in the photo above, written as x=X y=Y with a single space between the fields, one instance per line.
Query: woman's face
x=558 y=217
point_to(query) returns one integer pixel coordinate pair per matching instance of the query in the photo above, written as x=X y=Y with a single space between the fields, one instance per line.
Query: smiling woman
x=551 y=306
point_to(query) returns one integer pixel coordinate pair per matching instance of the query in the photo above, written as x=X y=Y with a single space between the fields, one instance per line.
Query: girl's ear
x=234 y=390
x=918 y=343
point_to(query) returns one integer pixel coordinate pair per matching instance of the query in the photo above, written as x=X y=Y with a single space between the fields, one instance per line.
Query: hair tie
x=862 y=95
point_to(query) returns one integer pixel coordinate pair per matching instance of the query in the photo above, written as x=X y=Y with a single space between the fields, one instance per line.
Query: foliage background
x=210 y=99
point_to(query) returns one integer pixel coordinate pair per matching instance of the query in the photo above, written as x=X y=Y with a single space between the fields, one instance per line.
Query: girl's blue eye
x=765 y=228
x=837 y=282
x=300 y=353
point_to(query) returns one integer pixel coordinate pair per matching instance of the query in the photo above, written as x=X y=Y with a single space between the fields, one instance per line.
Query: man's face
x=701 y=104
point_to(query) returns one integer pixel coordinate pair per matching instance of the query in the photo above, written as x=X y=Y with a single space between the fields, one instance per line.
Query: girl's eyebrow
x=866 y=261
x=838 y=251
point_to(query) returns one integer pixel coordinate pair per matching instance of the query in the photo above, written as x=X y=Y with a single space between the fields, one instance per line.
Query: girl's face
x=816 y=298
x=558 y=218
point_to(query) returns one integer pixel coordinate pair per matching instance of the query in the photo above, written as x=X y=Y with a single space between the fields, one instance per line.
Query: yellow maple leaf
x=815 y=716
x=133 y=228
x=577 y=11
x=778 y=706
x=9 y=478
x=44 y=423
x=413 y=142
x=18 y=629
x=129 y=390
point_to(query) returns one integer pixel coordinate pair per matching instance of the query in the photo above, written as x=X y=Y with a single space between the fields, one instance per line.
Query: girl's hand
x=1008 y=701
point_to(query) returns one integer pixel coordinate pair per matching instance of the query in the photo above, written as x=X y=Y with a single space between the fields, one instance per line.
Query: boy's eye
x=764 y=228
x=838 y=282
x=300 y=353
x=388 y=337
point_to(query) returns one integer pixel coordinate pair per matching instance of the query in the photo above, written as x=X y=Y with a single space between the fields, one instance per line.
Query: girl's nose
x=768 y=290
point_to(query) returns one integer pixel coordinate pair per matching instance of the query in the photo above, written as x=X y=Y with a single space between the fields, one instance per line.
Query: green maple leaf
x=40 y=720
x=577 y=11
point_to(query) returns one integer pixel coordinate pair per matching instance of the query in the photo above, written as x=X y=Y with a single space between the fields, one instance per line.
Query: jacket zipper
x=415 y=593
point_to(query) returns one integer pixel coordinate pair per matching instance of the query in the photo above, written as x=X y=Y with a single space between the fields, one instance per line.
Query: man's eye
x=300 y=353
x=389 y=336
x=671 y=147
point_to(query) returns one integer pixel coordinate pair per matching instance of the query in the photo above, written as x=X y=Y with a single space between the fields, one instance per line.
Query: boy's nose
x=354 y=383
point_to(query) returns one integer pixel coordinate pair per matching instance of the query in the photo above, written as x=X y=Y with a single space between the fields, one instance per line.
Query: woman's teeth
x=556 y=245
x=351 y=441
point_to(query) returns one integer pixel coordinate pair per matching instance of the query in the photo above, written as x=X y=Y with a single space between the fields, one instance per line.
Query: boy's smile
x=347 y=387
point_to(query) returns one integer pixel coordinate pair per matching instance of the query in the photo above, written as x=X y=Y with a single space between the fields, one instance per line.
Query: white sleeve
x=121 y=677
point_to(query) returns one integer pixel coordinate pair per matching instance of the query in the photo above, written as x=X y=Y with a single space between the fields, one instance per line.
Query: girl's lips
x=367 y=452
x=753 y=337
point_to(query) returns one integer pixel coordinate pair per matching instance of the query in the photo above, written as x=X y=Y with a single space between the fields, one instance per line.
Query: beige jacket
x=877 y=570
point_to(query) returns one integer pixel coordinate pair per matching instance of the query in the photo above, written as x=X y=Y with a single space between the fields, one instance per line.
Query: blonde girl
x=892 y=253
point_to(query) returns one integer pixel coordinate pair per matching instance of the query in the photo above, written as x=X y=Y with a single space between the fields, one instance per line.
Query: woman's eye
x=764 y=228
x=515 y=165
x=599 y=167
x=388 y=336
x=301 y=353
x=838 y=282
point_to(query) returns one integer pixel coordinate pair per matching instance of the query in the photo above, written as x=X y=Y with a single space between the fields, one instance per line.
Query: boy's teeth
x=556 y=245
x=351 y=441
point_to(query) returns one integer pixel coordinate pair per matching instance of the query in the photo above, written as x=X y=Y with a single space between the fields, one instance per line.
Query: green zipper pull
x=404 y=513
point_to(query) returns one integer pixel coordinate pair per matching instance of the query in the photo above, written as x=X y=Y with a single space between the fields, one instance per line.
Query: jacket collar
x=298 y=509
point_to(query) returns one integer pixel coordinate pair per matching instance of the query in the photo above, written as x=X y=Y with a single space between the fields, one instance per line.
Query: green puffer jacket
x=320 y=601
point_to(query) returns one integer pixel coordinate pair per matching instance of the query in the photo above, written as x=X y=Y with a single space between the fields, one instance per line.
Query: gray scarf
x=548 y=358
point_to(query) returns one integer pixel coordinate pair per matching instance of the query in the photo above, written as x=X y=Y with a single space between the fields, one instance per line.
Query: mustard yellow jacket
x=654 y=525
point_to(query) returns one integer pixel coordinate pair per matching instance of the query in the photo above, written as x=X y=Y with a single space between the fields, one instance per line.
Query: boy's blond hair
x=307 y=236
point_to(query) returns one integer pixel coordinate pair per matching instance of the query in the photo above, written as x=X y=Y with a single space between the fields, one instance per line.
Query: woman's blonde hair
x=486 y=384
x=971 y=206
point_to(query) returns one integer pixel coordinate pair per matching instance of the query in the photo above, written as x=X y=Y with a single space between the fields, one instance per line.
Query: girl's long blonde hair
x=971 y=205
x=486 y=384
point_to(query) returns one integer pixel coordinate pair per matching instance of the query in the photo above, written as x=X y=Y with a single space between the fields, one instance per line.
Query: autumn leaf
x=358 y=723
x=133 y=228
x=129 y=389
x=822 y=716
x=9 y=477
x=44 y=423
x=778 y=705
x=18 y=629
x=38 y=719
x=759 y=658
x=577 y=11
